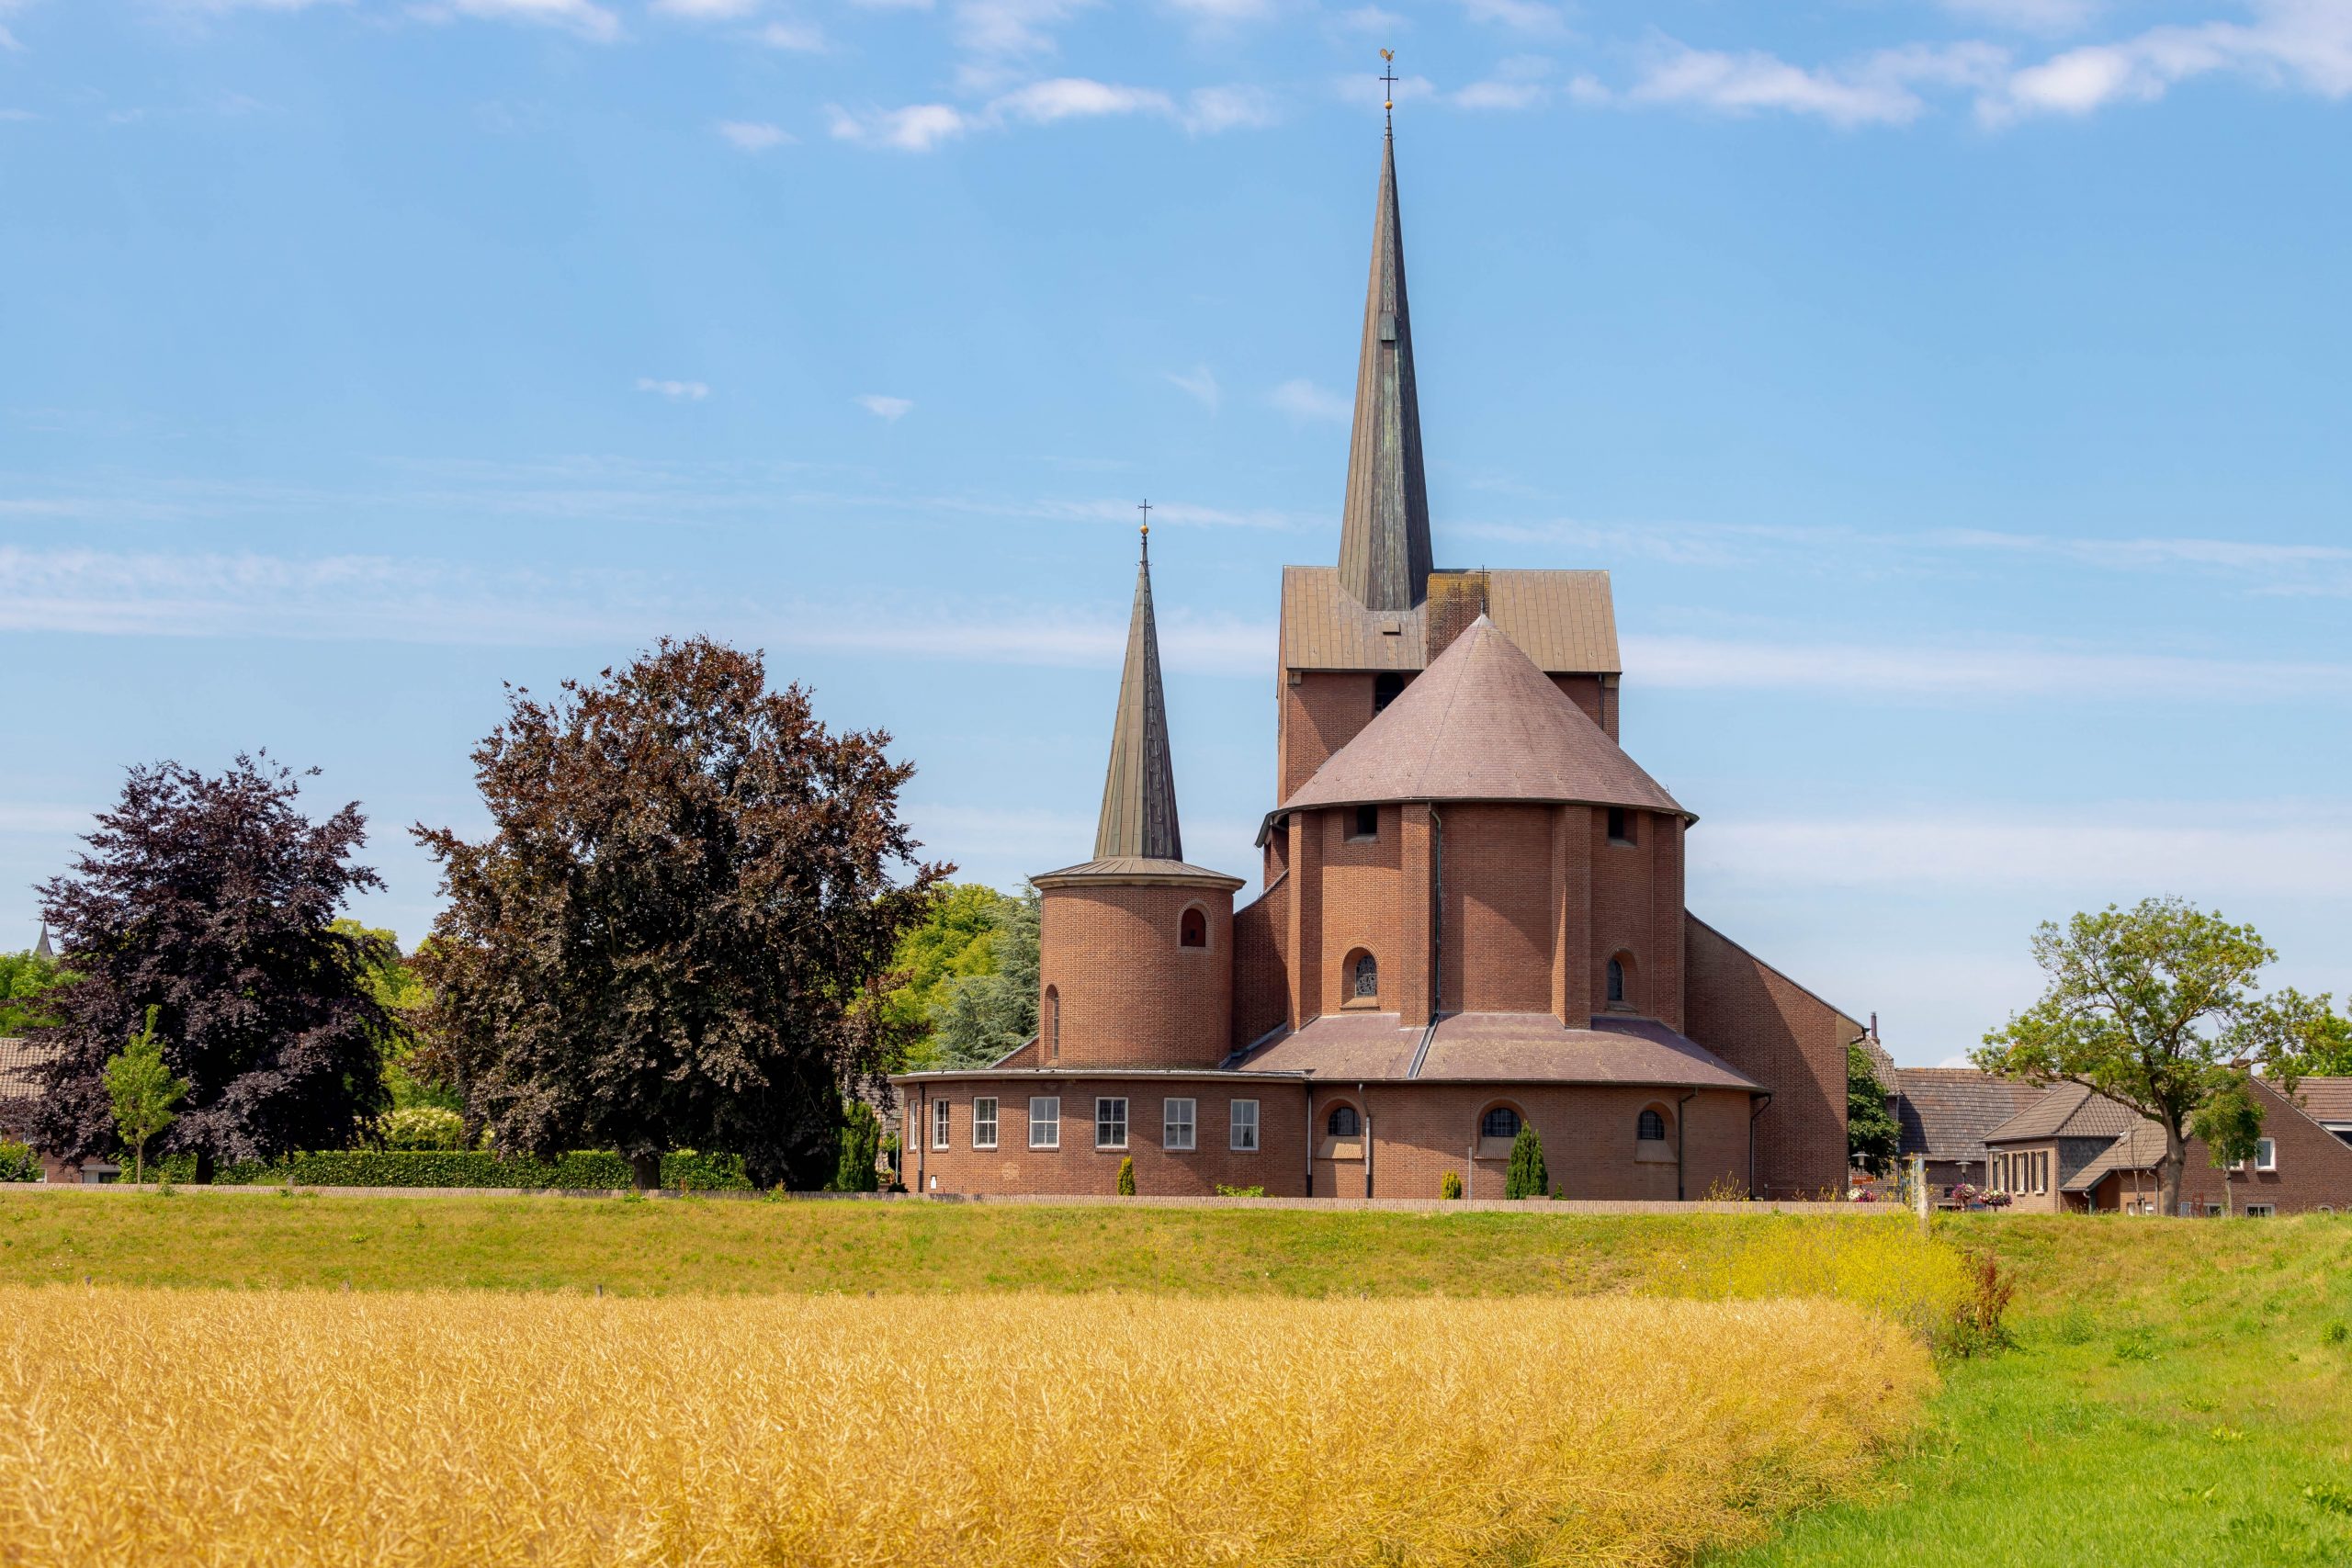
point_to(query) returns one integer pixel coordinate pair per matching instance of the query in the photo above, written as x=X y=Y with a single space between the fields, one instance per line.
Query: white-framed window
x=2266 y=1156
x=1243 y=1123
x=2260 y=1211
x=1110 y=1122
x=941 y=1122
x=1045 y=1121
x=984 y=1124
x=1176 y=1123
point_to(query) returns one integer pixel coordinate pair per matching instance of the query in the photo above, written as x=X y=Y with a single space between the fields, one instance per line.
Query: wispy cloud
x=1530 y=17
x=2304 y=44
x=751 y=135
x=883 y=407
x=924 y=128
x=1200 y=384
x=918 y=128
x=1303 y=400
x=794 y=35
x=1879 y=89
x=707 y=10
x=677 y=392
x=583 y=18
x=1975 y=671
x=2047 y=17
x=1518 y=83
x=2202 y=850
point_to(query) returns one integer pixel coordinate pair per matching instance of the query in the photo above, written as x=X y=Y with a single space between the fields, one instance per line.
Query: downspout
x=1680 y=1135
x=921 y=1142
x=1366 y=1098
x=1762 y=1105
x=1310 y=1132
x=1437 y=913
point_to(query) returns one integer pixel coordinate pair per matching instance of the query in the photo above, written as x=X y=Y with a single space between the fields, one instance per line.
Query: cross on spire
x=1388 y=81
x=1145 y=507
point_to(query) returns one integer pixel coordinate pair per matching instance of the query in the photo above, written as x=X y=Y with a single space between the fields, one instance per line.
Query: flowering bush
x=421 y=1127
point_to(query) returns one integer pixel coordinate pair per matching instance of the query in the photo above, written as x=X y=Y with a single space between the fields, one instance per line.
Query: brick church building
x=1471 y=913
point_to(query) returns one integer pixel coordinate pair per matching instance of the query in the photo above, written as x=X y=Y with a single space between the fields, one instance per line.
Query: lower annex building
x=1471 y=915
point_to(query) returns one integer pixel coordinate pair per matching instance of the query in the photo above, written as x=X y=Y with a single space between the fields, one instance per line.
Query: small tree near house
x=145 y=1094
x=2230 y=1126
x=1525 y=1178
x=1127 y=1177
x=2154 y=1006
x=1872 y=1137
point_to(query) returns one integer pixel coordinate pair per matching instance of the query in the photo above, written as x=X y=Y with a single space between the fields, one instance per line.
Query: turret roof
x=1385 y=522
x=1138 y=821
x=1483 y=723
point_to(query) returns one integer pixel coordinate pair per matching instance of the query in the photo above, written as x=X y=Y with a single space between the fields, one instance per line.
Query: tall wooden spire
x=1140 y=792
x=1385 y=527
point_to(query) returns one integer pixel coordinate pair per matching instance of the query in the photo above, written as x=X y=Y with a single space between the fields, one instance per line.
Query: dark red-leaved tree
x=677 y=935
x=213 y=899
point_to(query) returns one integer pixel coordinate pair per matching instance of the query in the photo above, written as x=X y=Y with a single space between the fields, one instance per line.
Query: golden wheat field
x=200 y=1427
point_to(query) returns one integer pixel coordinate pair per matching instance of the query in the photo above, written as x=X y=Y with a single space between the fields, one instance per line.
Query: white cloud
x=1517 y=84
x=1975 y=671
x=1875 y=90
x=2305 y=44
x=1208 y=110
x=2206 y=851
x=1200 y=384
x=1303 y=400
x=884 y=408
x=1010 y=26
x=583 y=17
x=677 y=392
x=1519 y=15
x=2050 y=17
x=751 y=135
x=1067 y=97
x=707 y=10
x=1372 y=19
x=918 y=128
x=800 y=38
x=1221 y=13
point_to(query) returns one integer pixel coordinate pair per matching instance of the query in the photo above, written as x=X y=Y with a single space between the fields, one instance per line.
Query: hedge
x=450 y=1167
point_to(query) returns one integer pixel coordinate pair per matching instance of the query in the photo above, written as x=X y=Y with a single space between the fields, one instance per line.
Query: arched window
x=1344 y=1122
x=1192 y=928
x=1650 y=1127
x=1621 y=977
x=1384 y=689
x=1616 y=981
x=1501 y=1121
x=1053 y=1024
x=1363 y=979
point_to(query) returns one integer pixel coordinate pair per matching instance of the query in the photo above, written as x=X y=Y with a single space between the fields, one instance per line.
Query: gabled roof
x=1138 y=817
x=1138 y=869
x=2141 y=1147
x=2325 y=1100
x=1482 y=724
x=1562 y=620
x=1498 y=1047
x=1385 y=522
x=1944 y=1113
x=2065 y=1111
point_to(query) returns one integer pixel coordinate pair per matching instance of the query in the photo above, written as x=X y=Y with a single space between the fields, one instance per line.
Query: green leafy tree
x=144 y=1094
x=2230 y=1125
x=987 y=1015
x=25 y=979
x=1449 y=1184
x=860 y=1150
x=679 y=933
x=1873 y=1135
x=955 y=943
x=417 y=1073
x=2155 y=1008
x=1525 y=1178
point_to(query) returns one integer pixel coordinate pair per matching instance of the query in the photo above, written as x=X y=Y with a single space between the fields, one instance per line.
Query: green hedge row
x=438 y=1167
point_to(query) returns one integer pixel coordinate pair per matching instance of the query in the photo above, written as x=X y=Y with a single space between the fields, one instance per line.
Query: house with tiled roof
x=19 y=1086
x=1943 y=1114
x=1469 y=917
x=2071 y=1150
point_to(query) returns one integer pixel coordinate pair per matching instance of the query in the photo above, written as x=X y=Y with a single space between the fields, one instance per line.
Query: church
x=1470 y=916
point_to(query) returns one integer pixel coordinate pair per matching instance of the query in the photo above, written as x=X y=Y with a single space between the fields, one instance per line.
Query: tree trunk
x=204 y=1167
x=645 y=1170
x=2175 y=1168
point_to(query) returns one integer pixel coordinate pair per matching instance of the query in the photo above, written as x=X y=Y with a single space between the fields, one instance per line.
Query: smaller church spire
x=41 y=948
x=1140 y=792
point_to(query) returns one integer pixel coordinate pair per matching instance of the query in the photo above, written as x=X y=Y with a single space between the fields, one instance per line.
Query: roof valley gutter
x=1763 y=1103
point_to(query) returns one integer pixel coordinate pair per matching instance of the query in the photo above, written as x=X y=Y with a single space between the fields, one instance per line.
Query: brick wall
x=1261 y=962
x=1637 y=903
x=1786 y=1038
x=1322 y=710
x=2314 y=1168
x=1422 y=1131
x=1129 y=995
x=1077 y=1166
x=1364 y=903
x=1496 y=879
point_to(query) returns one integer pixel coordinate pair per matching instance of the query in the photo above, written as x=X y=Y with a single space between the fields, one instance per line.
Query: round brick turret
x=1135 y=966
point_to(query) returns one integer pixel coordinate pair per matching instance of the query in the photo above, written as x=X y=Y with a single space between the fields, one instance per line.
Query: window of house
x=1045 y=1121
x=1501 y=1121
x=1343 y=1123
x=939 y=1123
x=1367 y=823
x=1384 y=691
x=2266 y=1157
x=1620 y=825
x=984 y=1124
x=1176 y=1121
x=1616 y=982
x=2212 y=1209
x=1364 y=983
x=1110 y=1122
x=1193 y=930
x=1650 y=1127
x=1242 y=1127
x=1053 y=1024
x=2260 y=1211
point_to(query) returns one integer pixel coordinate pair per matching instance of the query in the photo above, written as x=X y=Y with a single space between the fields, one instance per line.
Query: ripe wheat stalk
x=196 y=1428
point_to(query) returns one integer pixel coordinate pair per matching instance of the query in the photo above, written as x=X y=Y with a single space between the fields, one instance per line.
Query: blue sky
x=1956 y=392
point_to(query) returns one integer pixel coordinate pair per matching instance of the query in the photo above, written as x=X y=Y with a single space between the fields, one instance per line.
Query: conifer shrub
x=1526 y=1178
x=1127 y=1177
x=1449 y=1184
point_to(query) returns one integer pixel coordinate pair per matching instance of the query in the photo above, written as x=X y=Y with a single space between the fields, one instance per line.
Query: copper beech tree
x=680 y=928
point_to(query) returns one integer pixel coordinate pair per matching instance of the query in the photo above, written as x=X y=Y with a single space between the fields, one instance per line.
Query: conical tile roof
x=1385 y=522
x=1138 y=819
x=1482 y=723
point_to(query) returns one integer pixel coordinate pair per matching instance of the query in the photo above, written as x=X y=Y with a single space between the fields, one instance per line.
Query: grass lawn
x=2180 y=1392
